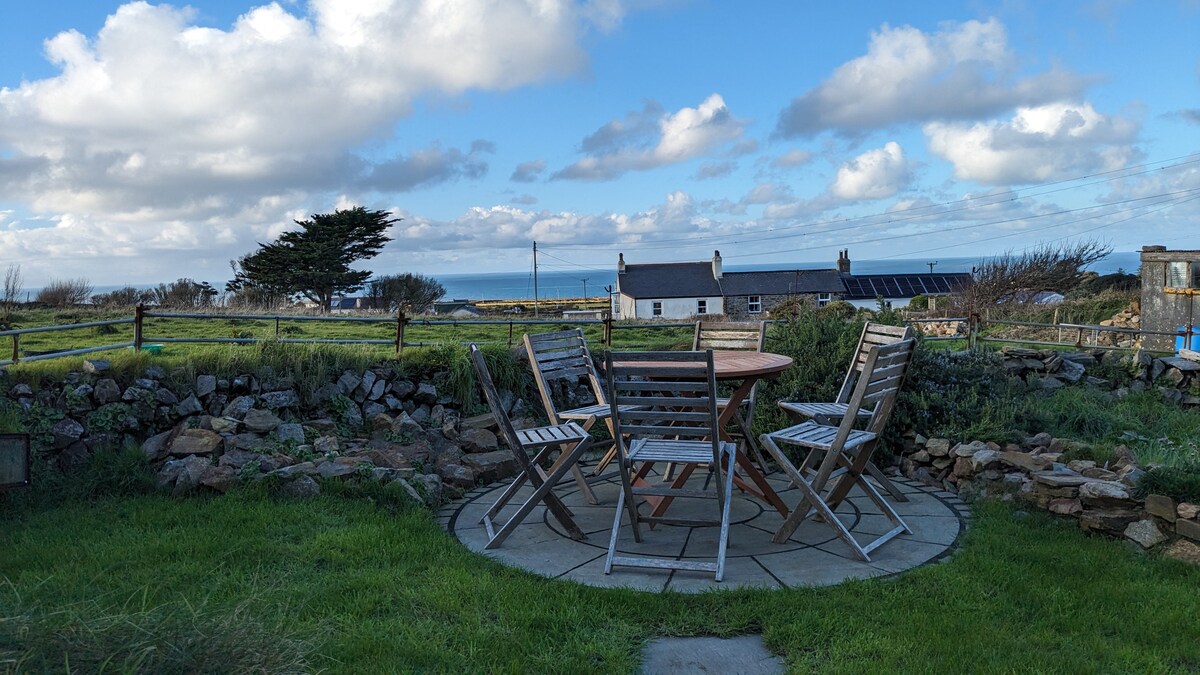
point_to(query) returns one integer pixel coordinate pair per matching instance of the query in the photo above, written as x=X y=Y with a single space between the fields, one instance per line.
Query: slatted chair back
x=664 y=394
x=740 y=335
x=493 y=400
x=882 y=376
x=873 y=334
x=561 y=356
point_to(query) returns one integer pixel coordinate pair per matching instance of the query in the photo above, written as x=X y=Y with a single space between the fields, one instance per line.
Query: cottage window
x=702 y=307
x=824 y=299
x=656 y=308
x=1177 y=275
x=754 y=304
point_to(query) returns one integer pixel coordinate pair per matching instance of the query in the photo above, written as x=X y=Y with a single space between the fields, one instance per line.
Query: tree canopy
x=414 y=293
x=315 y=261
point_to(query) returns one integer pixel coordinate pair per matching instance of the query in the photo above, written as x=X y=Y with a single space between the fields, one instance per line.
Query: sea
x=553 y=284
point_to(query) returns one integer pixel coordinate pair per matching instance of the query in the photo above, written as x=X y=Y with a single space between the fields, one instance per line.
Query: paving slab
x=813 y=556
x=746 y=655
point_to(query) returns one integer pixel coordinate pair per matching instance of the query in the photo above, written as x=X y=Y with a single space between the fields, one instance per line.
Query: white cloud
x=638 y=143
x=792 y=158
x=158 y=120
x=1038 y=144
x=527 y=172
x=963 y=71
x=715 y=169
x=875 y=174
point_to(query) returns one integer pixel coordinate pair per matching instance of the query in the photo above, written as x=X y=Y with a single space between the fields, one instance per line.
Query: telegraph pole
x=584 y=288
x=535 y=283
x=931 y=266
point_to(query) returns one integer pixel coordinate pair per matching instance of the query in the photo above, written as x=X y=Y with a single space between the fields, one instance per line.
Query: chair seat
x=598 y=410
x=671 y=450
x=552 y=435
x=826 y=410
x=724 y=402
x=819 y=436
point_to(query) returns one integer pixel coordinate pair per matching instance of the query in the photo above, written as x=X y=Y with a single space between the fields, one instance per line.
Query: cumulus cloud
x=527 y=172
x=648 y=139
x=1038 y=144
x=962 y=71
x=875 y=174
x=156 y=120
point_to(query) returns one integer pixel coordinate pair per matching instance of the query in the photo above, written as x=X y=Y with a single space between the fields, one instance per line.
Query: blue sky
x=143 y=142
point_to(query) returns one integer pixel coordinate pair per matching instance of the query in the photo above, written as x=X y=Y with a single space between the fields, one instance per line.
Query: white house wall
x=672 y=308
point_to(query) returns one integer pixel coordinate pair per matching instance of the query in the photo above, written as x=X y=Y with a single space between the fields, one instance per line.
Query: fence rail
x=973 y=334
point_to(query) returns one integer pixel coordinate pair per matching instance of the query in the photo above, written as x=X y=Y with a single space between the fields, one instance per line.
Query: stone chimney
x=716 y=264
x=843 y=263
x=620 y=263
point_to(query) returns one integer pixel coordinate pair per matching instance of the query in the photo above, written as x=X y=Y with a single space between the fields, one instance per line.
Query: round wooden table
x=746 y=368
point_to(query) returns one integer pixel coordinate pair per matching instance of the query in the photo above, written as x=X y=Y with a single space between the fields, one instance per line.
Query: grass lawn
x=247 y=583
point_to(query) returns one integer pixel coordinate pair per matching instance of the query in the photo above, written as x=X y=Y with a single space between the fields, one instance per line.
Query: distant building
x=1170 y=296
x=576 y=314
x=685 y=290
x=458 y=308
x=349 y=304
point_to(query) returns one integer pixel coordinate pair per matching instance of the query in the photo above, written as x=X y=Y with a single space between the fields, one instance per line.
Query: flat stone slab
x=813 y=556
x=745 y=655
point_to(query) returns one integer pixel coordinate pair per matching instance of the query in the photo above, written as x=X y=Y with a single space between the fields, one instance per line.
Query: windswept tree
x=1015 y=278
x=315 y=261
x=185 y=293
x=414 y=293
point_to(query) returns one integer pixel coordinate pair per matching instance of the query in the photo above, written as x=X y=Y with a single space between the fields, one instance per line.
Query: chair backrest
x=561 y=356
x=882 y=376
x=740 y=335
x=670 y=394
x=873 y=334
x=492 y=397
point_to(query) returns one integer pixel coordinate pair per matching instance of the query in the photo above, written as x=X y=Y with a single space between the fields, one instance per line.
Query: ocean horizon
x=555 y=284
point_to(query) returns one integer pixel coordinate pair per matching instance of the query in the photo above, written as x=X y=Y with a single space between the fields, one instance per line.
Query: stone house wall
x=1163 y=308
x=737 y=307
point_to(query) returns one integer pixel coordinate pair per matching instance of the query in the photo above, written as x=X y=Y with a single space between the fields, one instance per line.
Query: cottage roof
x=695 y=280
x=868 y=286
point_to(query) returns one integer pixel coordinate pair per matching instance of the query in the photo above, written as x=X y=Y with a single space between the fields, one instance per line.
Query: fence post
x=276 y=328
x=510 y=333
x=401 y=322
x=138 y=315
x=973 y=330
x=16 y=348
x=606 y=340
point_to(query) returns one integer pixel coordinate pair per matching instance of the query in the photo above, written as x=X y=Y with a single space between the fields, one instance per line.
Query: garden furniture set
x=668 y=420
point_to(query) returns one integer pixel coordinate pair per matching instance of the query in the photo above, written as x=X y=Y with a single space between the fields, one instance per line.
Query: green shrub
x=1180 y=482
x=123 y=471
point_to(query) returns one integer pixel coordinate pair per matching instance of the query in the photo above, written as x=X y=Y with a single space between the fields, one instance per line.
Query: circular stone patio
x=814 y=556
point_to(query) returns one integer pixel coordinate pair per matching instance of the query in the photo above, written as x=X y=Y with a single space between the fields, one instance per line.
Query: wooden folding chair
x=564 y=356
x=539 y=441
x=831 y=413
x=665 y=403
x=846 y=451
x=747 y=336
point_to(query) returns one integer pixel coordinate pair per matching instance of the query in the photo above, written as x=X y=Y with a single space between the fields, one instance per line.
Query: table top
x=730 y=364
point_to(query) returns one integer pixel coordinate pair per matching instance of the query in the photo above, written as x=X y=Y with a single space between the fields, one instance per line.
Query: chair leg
x=756 y=451
x=884 y=483
x=727 y=499
x=542 y=493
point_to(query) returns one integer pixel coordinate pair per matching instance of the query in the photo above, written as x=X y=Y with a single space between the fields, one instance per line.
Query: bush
x=122 y=298
x=1181 y=482
x=65 y=292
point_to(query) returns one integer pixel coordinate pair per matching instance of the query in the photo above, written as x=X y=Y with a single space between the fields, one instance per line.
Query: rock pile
x=1039 y=474
x=1175 y=377
x=208 y=435
x=1130 y=317
x=942 y=328
x=1050 y=368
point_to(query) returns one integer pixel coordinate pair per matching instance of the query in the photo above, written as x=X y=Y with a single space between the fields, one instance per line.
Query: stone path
x=814 y=556
x=745 y=655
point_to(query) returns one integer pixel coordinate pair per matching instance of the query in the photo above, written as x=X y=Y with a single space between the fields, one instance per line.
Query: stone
x=1049 y=383
x=392 y=403
x=290 y=432
x=1188 y=528
x=431 y=485
x=365 y=385
x=457 y=475
x=984 y=459
x=968 y=449
x=335 y=470
x=196 y=442
x=405 y=424
x=79 y=401
x=1145 y=533
x=1065 y=507
x=1181 y=364
x=490 y=467
x=219 y=478
x=23 y=390
x=238 y=407
x=243 y=384
x=325 y=445
x=66 y=431
x=261 y=421
x=106 y=391
x=1042 y=440
x=348 y=382
x=426 y=394
x=372 y=408
x=238 y=458
x=205 y=385
x=403 y=389
x=324 y=394
x=96 y=366
x=921 y=457
x=1100 y=474
x=377 y=390
x=1059 y=479
x=963 y=468
x=746 y=655
x=183 y=475
x=165 y=396
x=1024 y=461
x=224 y=425
x=409 y=490
x=189 y=406
x=941 y=463
x=275 y=400
x=1113 y=521
x=301 y=469
x=301 y=487
x=478 y=440
x=1104 y=493
x=1187 y=510
x=73 y=457
x=1133 y=477
x=155 y=372
x=937 y=447
x=1183 y=551
x=252 y=442
x=156 y=447
x=1071 y=371
x=354 y=417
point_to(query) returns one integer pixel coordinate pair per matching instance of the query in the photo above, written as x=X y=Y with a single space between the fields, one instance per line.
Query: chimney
x=620 y=263
x=716 y=264
x=843 y=263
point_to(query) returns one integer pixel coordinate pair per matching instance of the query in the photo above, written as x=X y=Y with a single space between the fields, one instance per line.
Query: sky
x=144 y=142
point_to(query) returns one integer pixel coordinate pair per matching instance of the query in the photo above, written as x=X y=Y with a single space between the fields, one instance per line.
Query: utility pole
x=535 y=285
x=584 y=288
x=931 y=266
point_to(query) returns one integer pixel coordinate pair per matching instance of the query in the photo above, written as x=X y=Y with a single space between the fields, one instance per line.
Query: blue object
x=1184 y=341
